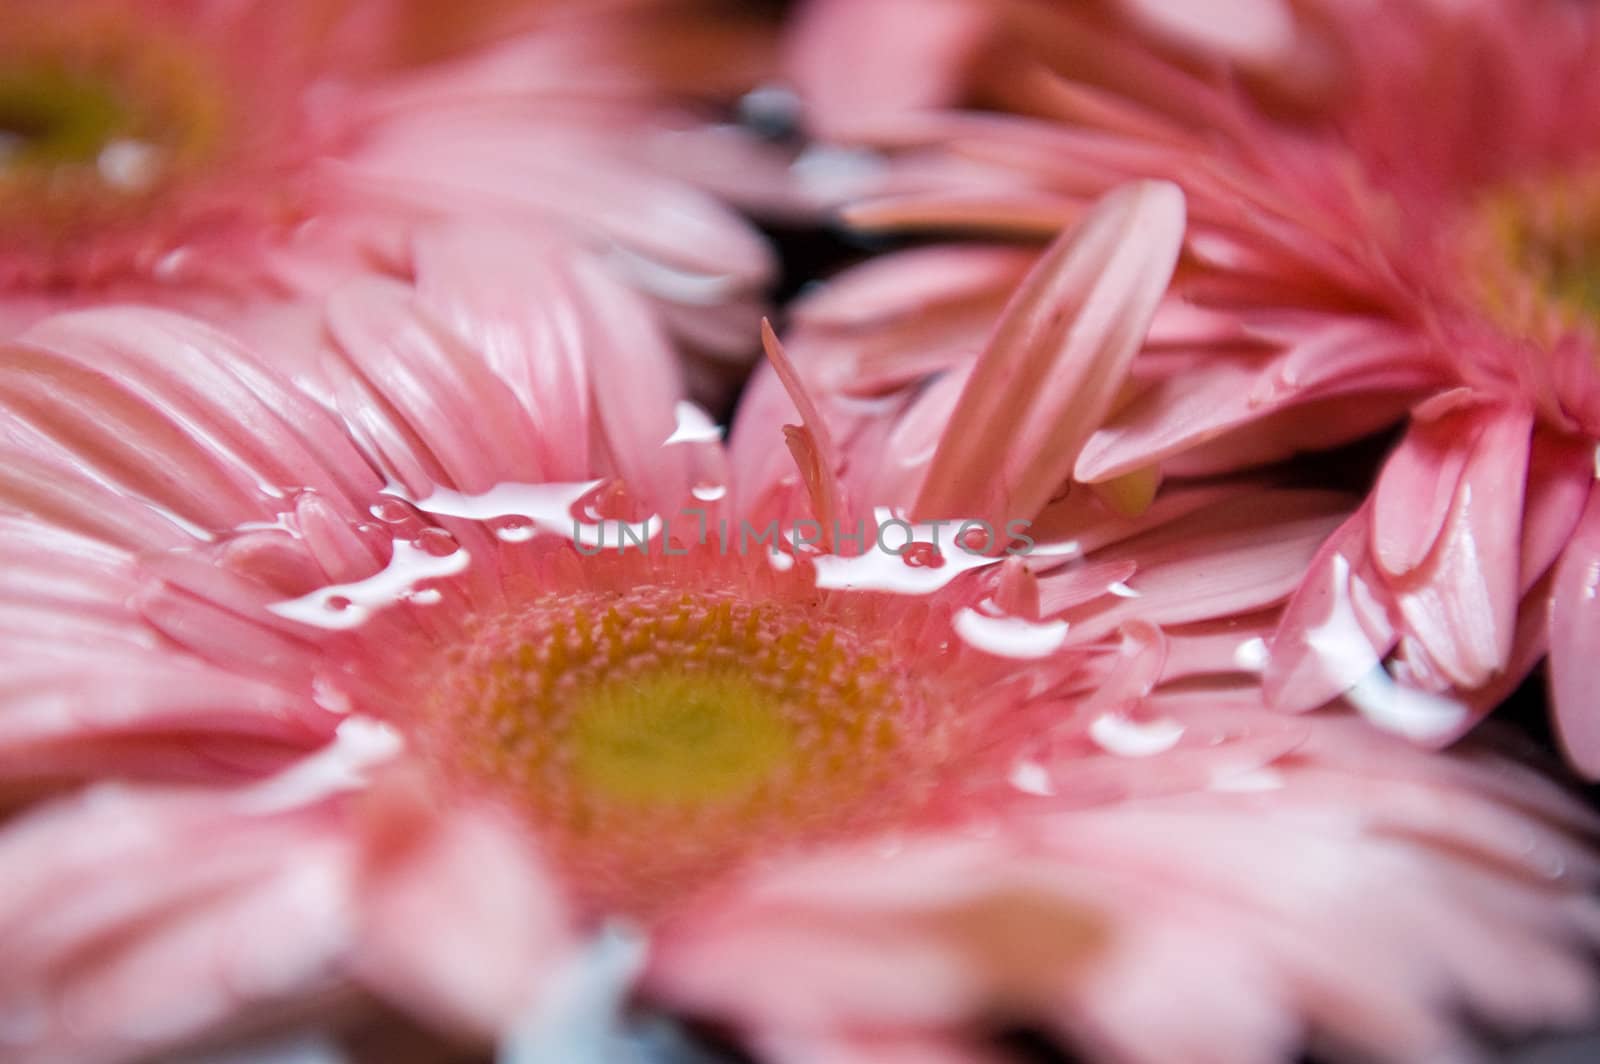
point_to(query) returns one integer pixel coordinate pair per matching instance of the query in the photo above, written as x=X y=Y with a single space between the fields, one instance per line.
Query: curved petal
x=1461 y=603
x=1336 y=629
x=1574 y=635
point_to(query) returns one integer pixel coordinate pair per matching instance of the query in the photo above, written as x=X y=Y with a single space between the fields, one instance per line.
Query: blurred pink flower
x=227 y=158
x=1394 y=211
x=303 y=707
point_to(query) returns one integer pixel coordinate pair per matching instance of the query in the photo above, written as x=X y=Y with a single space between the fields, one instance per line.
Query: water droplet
x=976 y=541
x=694 y=425
x=359 y=744
x=547 y=508
x=1417 y=715
x=1030 y=777
x=392 y=511
x=1251 y=655
x=1119 y=734
x=1010 y=637
x=516 y=530
x=330 y=696
x=344 y=606
x=129 y=164
x=709 y=492
x=437 y=542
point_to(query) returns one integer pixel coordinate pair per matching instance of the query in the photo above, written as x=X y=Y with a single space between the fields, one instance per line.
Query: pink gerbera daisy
x=224 y=158
x=303 y=712
x=1394 y=212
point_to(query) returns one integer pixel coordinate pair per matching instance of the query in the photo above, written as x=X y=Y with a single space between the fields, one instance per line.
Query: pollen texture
x=656 y=736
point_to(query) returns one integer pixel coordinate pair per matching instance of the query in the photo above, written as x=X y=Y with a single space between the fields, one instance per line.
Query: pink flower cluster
x=366 y=694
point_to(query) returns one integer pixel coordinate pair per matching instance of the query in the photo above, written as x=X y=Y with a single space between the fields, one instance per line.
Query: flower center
x=654 y=736
x=96 y=115
x=1534 y=252
x=664 y=736
x=51 y=115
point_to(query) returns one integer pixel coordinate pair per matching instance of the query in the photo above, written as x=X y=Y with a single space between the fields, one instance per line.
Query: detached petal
x=1057 y=359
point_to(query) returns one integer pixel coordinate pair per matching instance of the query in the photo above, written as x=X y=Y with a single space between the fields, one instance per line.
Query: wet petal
x=1462 y=602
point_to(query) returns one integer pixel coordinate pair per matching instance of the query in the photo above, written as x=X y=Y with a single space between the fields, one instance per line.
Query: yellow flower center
x=664 y=737
x=51 y=115
x=97 y=115
x=656 y=736
x=1533 y=250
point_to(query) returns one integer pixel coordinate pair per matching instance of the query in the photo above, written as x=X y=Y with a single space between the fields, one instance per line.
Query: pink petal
x=1415 y=489
x=1225 y=391
x=1057 y=359
x=204 y=921
x=423 y=402
x=1256 y=31
x=1574 y=637
x=460 y=923
x=1300 y=429
x=543 y=176
x=1335 y=630
x=1461 y=604
x=811 y=443
x=1560 y=479
x=82 y=669
x=176 y=415
x=900 y=286
x=856 y=59
x=512 y=299
x=1233 y=557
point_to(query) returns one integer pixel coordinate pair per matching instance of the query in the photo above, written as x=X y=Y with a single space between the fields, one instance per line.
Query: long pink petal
x=1057 y=359
x=1225 y=391
x=1232 y=558
x=1574 y=639
x=174 y=414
